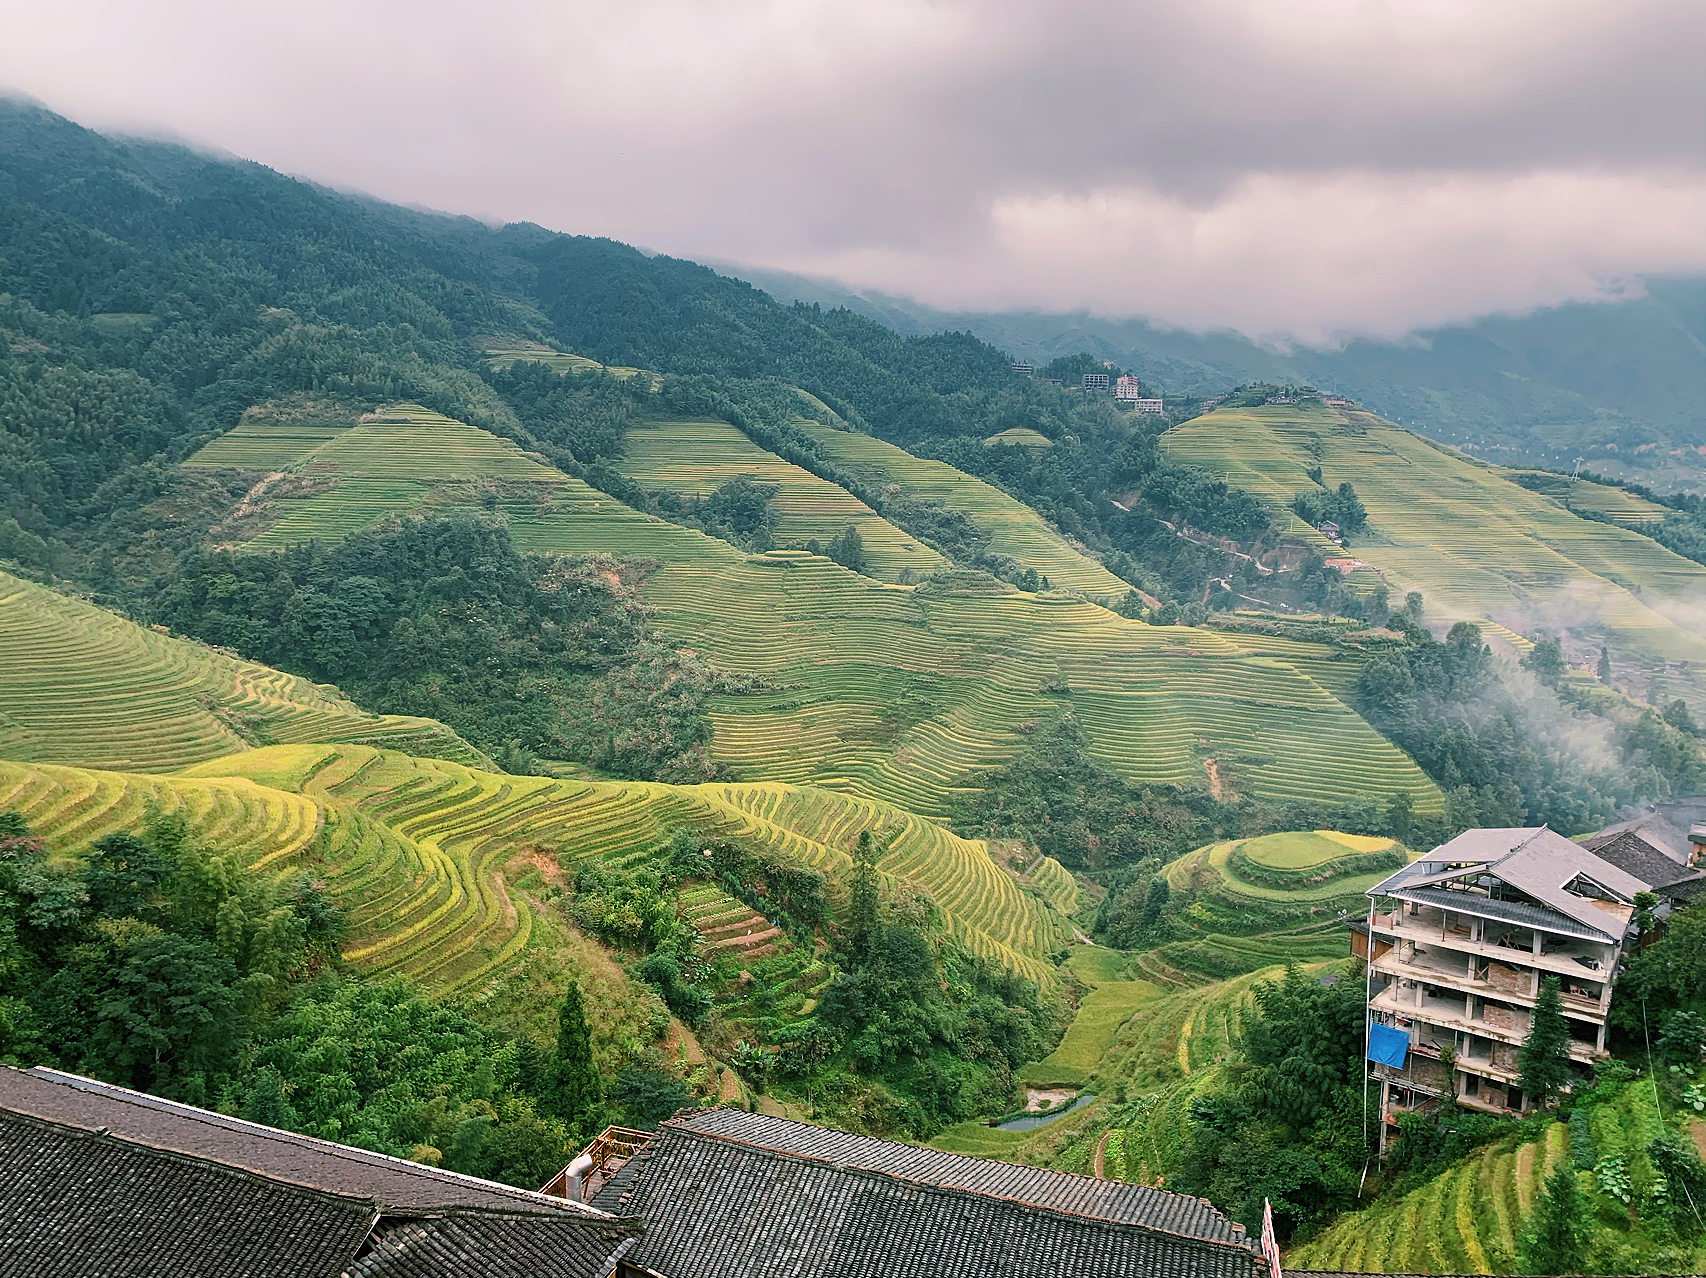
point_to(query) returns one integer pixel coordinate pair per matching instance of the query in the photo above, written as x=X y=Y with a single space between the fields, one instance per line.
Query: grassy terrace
x=79 y=685
x=1015 y=529
x=419 y=849
x=1467 y=1220
x=1477 y=546
x=882 y=690
x=693 y=458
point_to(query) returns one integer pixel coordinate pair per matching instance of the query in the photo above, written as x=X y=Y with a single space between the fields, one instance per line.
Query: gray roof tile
x=727 y=1194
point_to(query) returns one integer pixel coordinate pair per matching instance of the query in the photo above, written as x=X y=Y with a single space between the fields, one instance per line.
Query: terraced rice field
x=81 y=686
x=1208 y=872
x=503 y=355
x=886 y=691
x=72 y=807
x=1467 y=1220
x=401 y=458
x=1477 y=546
x=419 y=847
x=1015 y=529
x=899 y=693
x=1619 y=507
x=1110 y=1004
x=1306 y=849
x=693 y=458
x=1022 y=436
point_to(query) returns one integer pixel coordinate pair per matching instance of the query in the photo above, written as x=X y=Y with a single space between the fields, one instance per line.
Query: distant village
x=1129 y=393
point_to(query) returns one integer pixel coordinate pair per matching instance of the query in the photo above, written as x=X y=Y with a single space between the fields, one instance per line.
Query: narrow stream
x=1031 y=1122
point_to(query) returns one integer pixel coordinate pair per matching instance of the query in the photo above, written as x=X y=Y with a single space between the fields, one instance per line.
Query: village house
x=101 y=1179
x=1024 y=369
x=1095 y=381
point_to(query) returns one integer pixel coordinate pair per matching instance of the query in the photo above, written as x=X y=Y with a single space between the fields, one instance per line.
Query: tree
x=1413 y=606
x=571 y=1087
x=1401 y=816
x=1562 y=1224
x=1683 y=1037
x=1604 y=671
x=1676 y=714
x=1155 y=900
x=1544 y=1060
x=847 y=548
x=1546 y=662
x=648 y=1096
x=862 y=919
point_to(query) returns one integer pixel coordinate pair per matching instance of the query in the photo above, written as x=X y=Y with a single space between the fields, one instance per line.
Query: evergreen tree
x=847 y=548
x=1545 y=1056
x=572 y=1090
x=1558 y=1242
x=862 y=920
x=1604 y=666
x=1155 y=900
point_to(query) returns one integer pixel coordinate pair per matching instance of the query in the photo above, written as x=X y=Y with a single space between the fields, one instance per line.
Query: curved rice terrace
x=1467 y=1219
x=693 y=458
x=82 y=686
x=417 y=849
x=72 y=807
x=1477 y=546
x=500 y=353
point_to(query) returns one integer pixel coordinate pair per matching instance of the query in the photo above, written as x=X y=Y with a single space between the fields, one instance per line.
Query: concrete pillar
x=1418 y=993
x=1537 y=940
x=1599 y=1040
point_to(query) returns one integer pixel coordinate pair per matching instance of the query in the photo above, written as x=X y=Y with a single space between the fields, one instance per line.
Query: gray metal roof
x=1535 y=861
x=1664 y=836
x=1518 y=912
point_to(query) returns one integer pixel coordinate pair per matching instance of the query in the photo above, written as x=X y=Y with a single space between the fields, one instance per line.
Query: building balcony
x=1501 y=982
x=1502 y=1025
x=1562 y=956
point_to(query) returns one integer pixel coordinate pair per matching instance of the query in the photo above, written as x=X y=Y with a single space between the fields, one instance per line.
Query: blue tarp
x=1387 y=1045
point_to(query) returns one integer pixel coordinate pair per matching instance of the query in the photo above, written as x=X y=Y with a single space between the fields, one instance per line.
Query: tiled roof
x=397 y=1184
x=1633 y=853
x=494 y=1245
x=1658 y=832
x=80 y=1204
x=87 y=1199
x=727 y=1194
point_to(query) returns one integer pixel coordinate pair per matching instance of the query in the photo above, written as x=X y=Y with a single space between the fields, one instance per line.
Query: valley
x=464 y=687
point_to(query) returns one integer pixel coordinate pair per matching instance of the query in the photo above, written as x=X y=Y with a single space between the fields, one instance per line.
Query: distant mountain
x=1620 y=383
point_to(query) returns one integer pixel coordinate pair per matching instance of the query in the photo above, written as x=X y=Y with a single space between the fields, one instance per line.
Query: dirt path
x=1213 y=769
x=1096 y=1163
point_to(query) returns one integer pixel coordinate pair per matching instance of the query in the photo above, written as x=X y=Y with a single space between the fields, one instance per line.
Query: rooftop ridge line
x=143 y=1100
x=1239 y=1242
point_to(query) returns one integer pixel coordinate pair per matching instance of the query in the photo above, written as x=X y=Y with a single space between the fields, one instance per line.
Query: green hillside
x=1014 y=529
x=884 y=690
x=693 y=458
x=1468 y=1219
x=1477 y=546
x=79 y=685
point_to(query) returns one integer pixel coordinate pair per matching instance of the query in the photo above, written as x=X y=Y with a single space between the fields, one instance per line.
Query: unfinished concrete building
x=1458 y=942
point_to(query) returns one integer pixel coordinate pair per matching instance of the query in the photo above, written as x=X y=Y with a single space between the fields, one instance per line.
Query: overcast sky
x=1309 y=168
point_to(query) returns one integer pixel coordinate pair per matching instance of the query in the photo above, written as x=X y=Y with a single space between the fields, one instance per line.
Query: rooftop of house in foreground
x=105 y=1181
x=728 y=1194
x=1538 y=863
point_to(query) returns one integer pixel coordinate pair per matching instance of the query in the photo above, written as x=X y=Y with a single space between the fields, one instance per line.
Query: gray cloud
x=1314 y=168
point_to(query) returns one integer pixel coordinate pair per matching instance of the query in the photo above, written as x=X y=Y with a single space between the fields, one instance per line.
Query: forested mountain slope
x=1619 y=380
